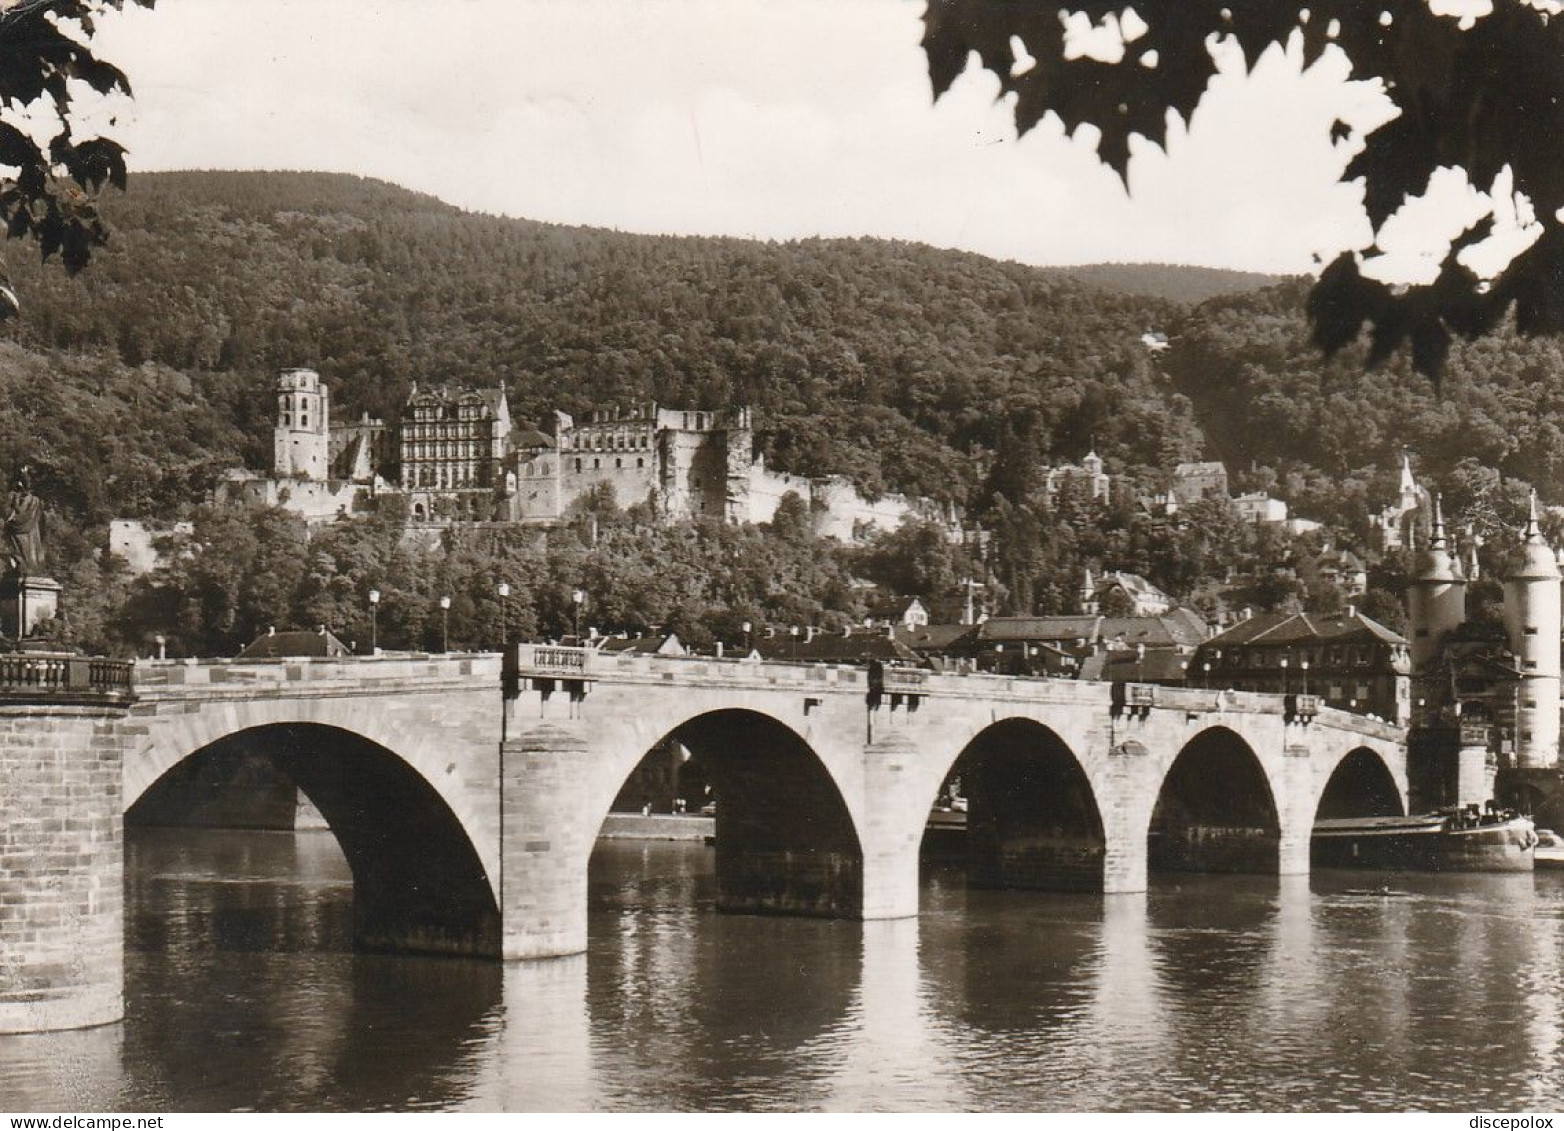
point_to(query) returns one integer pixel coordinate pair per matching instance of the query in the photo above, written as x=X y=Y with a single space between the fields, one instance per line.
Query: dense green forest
x=904 y=367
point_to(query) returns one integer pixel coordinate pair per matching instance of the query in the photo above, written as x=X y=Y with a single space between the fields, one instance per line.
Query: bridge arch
x=787 y=839
x=1361 y=784
x=420 y=878
x=1216 y=809
x=1032 y=816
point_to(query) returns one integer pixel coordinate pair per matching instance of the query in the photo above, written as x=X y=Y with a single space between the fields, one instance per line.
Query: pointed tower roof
x=1538 y=562
x=1408 y=484
x=1435 y=563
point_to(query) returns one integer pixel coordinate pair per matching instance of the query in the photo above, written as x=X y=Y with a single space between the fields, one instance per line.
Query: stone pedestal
x=24 y=601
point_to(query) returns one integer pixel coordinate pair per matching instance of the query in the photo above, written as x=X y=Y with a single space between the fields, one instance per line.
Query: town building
x=904 y=612
x=1259 y=509
x=1121 y=594
x=1345 y=659
x=1087 y=477
x=1192 y=482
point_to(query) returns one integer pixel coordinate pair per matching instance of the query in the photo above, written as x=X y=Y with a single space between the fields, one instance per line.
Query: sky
x=762 y=118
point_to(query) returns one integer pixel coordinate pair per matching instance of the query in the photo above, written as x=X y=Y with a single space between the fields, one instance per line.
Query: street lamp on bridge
x=577 y=599
x=445 y=624
x=504 y=591
x=374 y=622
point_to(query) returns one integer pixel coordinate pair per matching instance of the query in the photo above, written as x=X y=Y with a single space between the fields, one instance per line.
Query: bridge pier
x=62 y=849
x=545 y=844
x=891 y=833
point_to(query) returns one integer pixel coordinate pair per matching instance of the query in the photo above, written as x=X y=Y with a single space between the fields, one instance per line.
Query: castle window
x=618 y=462
x=287 y=420
x=578 y=464
x=304 y=421
x=1531 y=630
x=1529 y=664
x=595 y=464
x=639 y=462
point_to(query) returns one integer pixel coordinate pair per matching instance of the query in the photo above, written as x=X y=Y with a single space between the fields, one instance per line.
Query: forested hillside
x=939 y=373
x=893 y=363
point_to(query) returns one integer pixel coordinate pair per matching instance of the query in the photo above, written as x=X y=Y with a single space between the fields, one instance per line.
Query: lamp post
x=1304 y=664
x=747 y=629
x=793 y=632
x=577 y=598
x=504 y=591
x=1284 y=675
x=1207 y=666
x=445 y=624
x=162 y=642
x=374 y=622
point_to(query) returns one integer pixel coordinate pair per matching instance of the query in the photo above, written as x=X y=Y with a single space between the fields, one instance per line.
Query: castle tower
x=1436 y=596
x=1532 y=620
x=302 y=438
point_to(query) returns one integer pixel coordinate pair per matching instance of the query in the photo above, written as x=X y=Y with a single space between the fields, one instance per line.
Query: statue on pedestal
x=27 y=594
x=23 y=528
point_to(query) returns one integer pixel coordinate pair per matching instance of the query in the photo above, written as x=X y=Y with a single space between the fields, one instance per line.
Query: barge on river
x=1447 y=841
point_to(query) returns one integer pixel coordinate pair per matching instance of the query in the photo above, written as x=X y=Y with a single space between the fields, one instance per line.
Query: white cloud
x=774 y=118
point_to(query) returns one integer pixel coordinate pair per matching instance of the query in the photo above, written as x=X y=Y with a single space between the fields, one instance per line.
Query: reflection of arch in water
x=714 y=989
x=1032 y=817
x=1216 y=811
x=418 y=882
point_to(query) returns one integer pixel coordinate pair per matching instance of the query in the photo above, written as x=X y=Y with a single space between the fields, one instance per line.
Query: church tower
x=1088 y=595
x=1532 y=620
x=1436 y=596
x=302 y=438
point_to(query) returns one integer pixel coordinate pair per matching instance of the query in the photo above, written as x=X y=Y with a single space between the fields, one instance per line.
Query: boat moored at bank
x=1464 y=840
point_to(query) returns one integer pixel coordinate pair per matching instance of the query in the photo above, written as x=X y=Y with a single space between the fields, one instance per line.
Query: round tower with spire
x=1532 y=621
x=1436 y=596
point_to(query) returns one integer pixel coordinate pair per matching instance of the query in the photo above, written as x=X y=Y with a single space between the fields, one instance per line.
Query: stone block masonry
x=61 y=867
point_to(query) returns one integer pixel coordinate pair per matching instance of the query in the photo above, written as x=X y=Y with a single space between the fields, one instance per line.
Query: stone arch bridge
x=467 y=793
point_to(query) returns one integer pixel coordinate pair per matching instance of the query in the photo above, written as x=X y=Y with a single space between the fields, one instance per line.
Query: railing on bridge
x=544 y=666
x=903 y=685
x=38 y=677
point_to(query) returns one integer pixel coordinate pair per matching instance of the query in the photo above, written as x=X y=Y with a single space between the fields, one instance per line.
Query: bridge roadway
x=468 y=813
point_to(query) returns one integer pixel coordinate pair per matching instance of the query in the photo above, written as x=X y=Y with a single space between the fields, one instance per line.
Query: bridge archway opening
x=783 y=837
x=1031 y=817
x=418 y=883
x=1360 y=786
x=1215 y=811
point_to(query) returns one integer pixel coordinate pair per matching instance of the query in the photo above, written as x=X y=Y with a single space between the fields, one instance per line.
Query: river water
x=1442 y=992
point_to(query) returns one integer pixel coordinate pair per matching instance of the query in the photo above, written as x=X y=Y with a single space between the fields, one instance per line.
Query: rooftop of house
x=1284 y=629
x=1178 y=628
x=857 y=647
x=277 y=645
x=657 y=644
x=931 y=637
